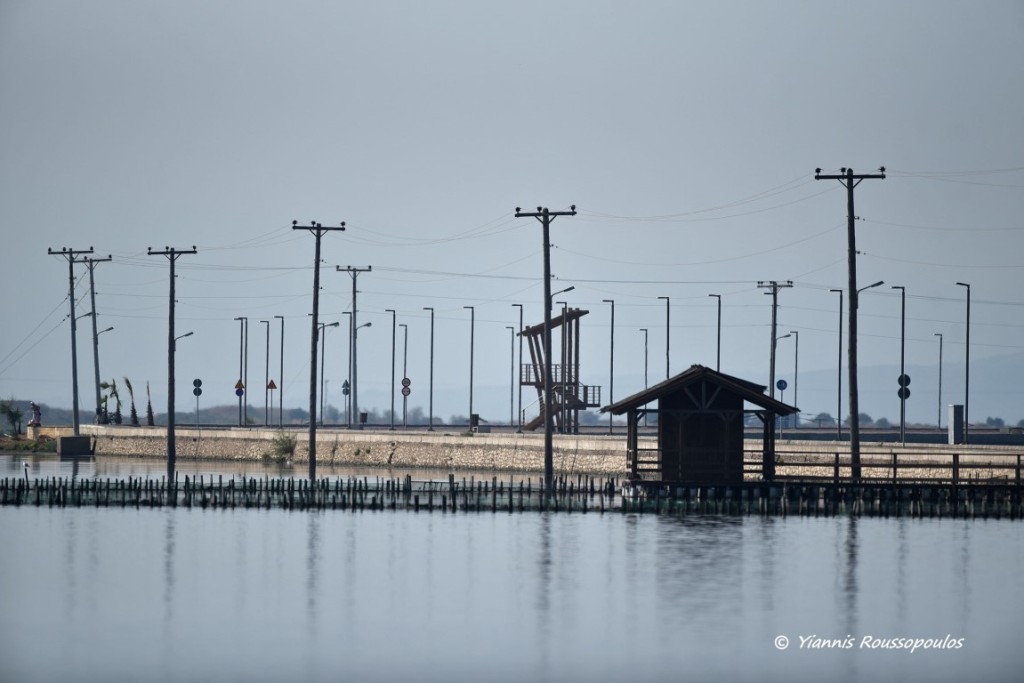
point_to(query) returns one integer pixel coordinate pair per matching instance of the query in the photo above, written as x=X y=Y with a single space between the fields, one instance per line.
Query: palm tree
x=131 y=393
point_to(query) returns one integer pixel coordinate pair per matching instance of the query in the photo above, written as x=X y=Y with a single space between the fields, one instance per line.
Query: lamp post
x=565 y=363
x=796 y=374
x=356 y=415
x=839 y=372
x=967 y=362
x=322 y=335
x=855 y=468
x=780 y=420
x=472 y=327
x=611 y=363
x=939 y=414
x=667 y=327
x=511 y=376
x=519 y=410
x=718 y=336
x=405 y=373
x=394 y=331
x=243 y=322
x=280 y=379
x=347 y=384
x=430 y=423
x=903 y=379
x=266 y=377
x=644 y=330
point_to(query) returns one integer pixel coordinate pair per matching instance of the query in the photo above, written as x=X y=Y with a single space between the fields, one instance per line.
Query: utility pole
x=774 y=286
x=317 y=231
x=243 y=323
x=71 y=256
x=544 y=217
x=172 y=256
x=354 y=272
x=511 y=376
x=850 y=180
x=91 y=263
x=939 y=421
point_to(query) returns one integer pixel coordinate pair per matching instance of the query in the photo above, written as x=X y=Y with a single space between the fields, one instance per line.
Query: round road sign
x=781 y=385
x=239 y=392
x=406 y=391
x=197 y=391
x=903 y=392
x=406 y=381
x=197 y=383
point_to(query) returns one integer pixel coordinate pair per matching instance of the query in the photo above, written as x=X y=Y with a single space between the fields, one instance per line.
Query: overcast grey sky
x=687 y=134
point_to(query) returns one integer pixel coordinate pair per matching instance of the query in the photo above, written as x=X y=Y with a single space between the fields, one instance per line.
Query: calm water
x=189 y=594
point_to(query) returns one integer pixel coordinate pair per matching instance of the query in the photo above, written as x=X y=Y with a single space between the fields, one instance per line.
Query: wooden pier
x=980 y=500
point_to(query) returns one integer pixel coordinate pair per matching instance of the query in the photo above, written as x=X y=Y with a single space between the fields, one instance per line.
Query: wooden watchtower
x=568 y=395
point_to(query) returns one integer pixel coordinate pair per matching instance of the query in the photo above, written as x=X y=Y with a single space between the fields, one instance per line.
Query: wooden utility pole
x=544 y=217
x=317 y=231
x=850 y=180
x=172 y=256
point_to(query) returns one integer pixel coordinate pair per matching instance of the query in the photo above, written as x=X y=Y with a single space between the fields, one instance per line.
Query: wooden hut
x=700 y=416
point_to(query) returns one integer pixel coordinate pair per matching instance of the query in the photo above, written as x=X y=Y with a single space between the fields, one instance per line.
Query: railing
x=905 y=467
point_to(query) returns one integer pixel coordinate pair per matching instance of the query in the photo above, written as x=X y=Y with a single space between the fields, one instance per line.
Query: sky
x=687 y=135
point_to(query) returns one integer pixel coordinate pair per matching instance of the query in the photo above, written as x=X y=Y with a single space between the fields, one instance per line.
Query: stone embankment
x=583 y=454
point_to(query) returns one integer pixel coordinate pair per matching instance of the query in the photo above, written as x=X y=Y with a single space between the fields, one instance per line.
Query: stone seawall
x=369 y=448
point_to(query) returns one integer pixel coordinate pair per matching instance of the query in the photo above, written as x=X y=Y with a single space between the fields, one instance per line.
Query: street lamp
x=939 y=335
x=565 y=363
x=472 y=327
x=548 y=388
x=967 y=362
x=511 y=375
x=644 y=330
x=430 y=423
x=839 y=372
x=322 y=336
x=718 y=345
x=356 y=415
x=611 y=363
x=519 y=429
x=405 y=373
x=394 y=331
x=796 y=374
x=347 y=384
x=243 y=363
x=666 y=334
x=855 y=468
x=180 y=336
x=903 y=379
x=266 y=377
x=280 y=379
x=781 y=390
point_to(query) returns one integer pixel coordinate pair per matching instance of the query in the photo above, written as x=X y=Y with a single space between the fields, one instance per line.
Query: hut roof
x=751 y=392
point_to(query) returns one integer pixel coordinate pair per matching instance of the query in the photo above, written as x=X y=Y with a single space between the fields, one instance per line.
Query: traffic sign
x=406 y=382
x=781 y=385
x=271 y=385
x=239 y=385
x=903 y=380
x=406 y=391
x=239 y=392
x=197 y=391
x=197 y=383
x=903 y=393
